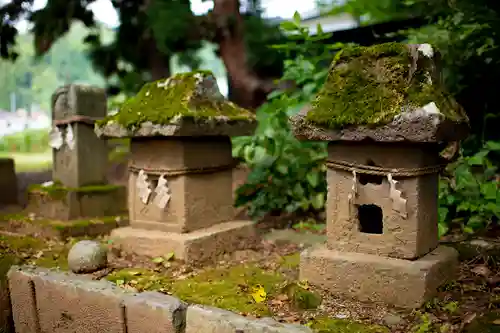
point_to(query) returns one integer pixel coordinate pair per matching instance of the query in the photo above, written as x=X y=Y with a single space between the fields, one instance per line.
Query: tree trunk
x=158 y=64
x=247 y=89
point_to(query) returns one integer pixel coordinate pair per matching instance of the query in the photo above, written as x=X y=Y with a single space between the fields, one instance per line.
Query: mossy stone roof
x=373 y=87
x=188 y=99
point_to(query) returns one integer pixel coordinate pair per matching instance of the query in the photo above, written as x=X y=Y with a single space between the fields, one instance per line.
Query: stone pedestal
x=80 y=161
x=399 y=282
x=60 y=203
x=196 y=224
x=181 y=169
x=8 y=182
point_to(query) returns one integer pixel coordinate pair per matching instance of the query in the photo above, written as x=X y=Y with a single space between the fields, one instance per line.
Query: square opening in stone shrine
x=372 y=212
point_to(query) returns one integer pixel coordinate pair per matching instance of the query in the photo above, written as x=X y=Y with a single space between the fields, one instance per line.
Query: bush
x=287 y=175
x=30 y=141
x=469 y=198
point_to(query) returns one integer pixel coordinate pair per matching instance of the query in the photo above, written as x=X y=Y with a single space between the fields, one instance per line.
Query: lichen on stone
x=373 y=86
x=193 y=95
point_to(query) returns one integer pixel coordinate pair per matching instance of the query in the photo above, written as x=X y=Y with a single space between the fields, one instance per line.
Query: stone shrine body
x=386 y=118
x=180 y=170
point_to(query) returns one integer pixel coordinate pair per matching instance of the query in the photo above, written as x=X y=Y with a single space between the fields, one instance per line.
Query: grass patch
x=30 y=162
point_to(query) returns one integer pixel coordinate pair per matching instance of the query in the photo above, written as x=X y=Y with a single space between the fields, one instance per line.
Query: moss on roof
x=192 y=95
x=369 y=86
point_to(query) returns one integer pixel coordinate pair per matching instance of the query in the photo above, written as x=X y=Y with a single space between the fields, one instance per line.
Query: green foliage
x=30 y=141
x=287 y=174
x=470 y=198
x=35 y=79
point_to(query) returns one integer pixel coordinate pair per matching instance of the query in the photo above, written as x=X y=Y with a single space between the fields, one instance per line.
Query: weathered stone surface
x=372 y=278
x=154 y=312
x=8 y=182
x=23 y=299
x=68 y=303
x=186 y=104
x=200 y=246
x=189 y=207
x=78 y=100
x=86 y=162
x=201 y=319
x=87 y=256
x=73 y=203
x=401 y=99
x=407 y=237
x=417 y=126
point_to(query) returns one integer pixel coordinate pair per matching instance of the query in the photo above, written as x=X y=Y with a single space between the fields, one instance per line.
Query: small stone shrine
x=80 y=160
x=387 y=118
x=180 y=170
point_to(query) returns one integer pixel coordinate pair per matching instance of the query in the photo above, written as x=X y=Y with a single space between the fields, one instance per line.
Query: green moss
x=161 y=101
x=62 y=225
x=141 y=279
x=229 y=289
x=290 y=261
x=329 y=325
x=302 y=298
x=19 y=250
x=371 y=85
x=57 y=191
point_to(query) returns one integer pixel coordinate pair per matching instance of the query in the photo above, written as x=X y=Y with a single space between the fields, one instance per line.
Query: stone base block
x=398 y=282
x=59 y=203
x=201 y=246
x=8 y=182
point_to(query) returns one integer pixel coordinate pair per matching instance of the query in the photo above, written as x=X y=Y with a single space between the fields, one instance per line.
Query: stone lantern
x=386 y=117
x=180 y=194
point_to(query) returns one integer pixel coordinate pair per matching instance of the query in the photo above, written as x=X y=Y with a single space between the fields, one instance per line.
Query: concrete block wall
x=46 y=301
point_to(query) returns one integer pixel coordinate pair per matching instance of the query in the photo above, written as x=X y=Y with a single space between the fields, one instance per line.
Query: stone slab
x=180 y=128
x=79 y=100
x=371 y=278
x=23 y=300
x=67 y=303
x=417 y=126
x=199 y=246
x=154 y=312
x=202 y=319
x=76 y=204
x=8 y=182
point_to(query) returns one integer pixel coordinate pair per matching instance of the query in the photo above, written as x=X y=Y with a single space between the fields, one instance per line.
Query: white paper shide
x=56 y=138
x=162 y=192
x=143 y=187
x=70 y=137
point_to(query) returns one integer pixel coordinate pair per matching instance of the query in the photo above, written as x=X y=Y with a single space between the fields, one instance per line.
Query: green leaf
x=282 y=168
x=288 y=26
x=477 y=159
x=442 y=229
x=493 y=145
x=318 y=200
x=489 y=190
x=313 y=178
x=158 y=260
x=296 y=18
x=170 y=256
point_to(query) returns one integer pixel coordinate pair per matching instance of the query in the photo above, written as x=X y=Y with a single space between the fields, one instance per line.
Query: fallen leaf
x=496 y=322
x=258 y=294
x=158 y=260
x=481 y=270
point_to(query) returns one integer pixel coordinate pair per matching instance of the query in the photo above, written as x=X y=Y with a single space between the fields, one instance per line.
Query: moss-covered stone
x=329 y=325
x=58 y=191
x=193 y=95
x=370 y=86
x=302 y=298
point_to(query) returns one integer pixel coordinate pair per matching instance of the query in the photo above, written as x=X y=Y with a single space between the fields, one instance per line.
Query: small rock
x=87 y=256
x=392 y=320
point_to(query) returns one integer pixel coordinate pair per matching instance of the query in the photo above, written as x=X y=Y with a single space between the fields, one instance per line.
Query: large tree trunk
x=247 y=89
